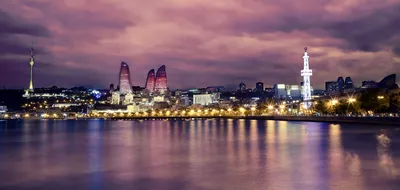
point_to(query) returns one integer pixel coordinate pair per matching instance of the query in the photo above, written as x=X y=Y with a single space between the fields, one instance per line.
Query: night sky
x=201 y=42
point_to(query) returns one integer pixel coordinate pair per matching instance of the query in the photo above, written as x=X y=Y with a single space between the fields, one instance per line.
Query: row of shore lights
x=192 y=112
x=350 y=100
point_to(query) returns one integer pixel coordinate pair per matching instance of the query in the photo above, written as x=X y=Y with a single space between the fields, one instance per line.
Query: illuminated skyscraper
x=161 y=80
x=150 y=81
x=31 y=62
x=125 y=86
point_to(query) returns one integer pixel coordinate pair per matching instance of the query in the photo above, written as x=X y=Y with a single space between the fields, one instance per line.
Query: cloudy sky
x=201 y=42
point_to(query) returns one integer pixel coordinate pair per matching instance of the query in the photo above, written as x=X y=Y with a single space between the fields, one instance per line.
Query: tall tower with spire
x=306 y=73
x=31 y=62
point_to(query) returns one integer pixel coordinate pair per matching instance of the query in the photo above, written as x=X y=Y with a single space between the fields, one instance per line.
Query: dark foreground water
x=201 y=154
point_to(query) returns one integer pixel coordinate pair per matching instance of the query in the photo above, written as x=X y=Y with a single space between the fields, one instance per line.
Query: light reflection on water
x=197 y=154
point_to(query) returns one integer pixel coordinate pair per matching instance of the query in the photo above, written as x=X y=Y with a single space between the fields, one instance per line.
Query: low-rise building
x=205 y=99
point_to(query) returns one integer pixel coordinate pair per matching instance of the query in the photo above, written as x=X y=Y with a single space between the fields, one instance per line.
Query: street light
x=381 y=97
x=334 y=102
x=351 y=100
x=270 y=107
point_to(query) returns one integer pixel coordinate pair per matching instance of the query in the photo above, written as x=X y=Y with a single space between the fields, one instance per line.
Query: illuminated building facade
x=128 y=99
x=161 y=80
x=125 y=86
x=115 y=98
x=150 y=81
x=286 y=92
x=205 y=99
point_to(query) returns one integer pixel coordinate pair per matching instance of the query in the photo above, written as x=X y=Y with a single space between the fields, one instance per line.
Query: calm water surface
x=199 y=154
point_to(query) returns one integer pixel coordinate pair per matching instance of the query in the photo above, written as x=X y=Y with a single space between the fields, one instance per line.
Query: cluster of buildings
x=156 y=94
x=345 y=86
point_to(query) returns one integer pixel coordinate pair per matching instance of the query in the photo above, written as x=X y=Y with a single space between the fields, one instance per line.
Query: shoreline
x=334 y=120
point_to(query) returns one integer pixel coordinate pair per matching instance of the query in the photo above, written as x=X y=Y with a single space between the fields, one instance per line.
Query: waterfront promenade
x=326 y=119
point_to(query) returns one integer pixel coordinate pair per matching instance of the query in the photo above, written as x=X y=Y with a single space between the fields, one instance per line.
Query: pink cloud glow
x=206 y=42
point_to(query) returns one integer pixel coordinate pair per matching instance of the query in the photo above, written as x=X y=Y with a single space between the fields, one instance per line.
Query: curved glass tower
x=161 y=80
x=125 y=86
x=150 y=81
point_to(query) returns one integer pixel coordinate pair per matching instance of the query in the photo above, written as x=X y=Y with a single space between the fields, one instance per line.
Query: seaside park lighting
x=351 y=100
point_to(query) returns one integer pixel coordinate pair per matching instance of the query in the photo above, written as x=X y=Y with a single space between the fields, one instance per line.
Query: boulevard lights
x=229 y=110
x=381 y=97
x=351 y=100
x=282 y=106
x=242 y=110
x=270 y=107
x=334 y=102
x=253 y=109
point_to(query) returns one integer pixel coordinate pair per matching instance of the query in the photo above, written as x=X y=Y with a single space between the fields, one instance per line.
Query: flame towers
x=306 y=73
x=125 y=86
x=150 y=81
x=161 y=80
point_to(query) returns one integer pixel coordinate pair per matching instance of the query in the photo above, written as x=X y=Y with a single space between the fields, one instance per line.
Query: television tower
x=306 y=73
x=31 y=62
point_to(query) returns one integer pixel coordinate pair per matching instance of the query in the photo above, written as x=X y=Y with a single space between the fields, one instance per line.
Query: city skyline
x=261 y=42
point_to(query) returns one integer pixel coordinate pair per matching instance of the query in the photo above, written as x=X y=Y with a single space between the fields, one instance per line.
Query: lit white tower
x=306 y=73
x=31 y=62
